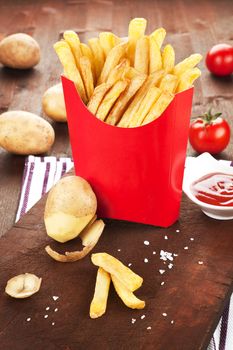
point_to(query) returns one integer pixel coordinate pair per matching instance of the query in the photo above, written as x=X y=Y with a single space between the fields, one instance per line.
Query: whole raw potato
x=25 y=133
x=53 y=103
x=19 y=51
x=70 y=206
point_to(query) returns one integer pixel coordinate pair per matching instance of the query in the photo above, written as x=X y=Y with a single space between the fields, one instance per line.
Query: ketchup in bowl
x=215 y=189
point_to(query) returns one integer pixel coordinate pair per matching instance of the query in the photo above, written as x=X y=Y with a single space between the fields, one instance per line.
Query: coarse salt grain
x=146 y=242
x=154 y=253
x=162 y=283
x=118 y=250
x=148 y=328
x=177 y=230
x=164 y=314
x=53 y=323
x=133 y=320
x=55 y=297
x=55 y=310
x=161 y=271
x=172 y=321
x=166 y=256
x=165 y=237
x=175 y=254
x=28 y=319
x=47 y=308
x=129 y=264
x=191 y=239
x=200 y=262
x=46 y=316
x=146 y=260
x=170 y=266
x=186 y=248
x=142 y=317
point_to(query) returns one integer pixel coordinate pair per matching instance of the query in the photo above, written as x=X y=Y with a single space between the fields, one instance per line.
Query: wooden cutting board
x=180 y=313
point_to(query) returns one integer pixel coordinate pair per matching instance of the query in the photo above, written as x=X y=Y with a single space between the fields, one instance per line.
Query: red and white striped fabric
x=41 y=173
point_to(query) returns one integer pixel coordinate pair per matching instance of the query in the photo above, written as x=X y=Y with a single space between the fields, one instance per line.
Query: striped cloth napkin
x=41 y=173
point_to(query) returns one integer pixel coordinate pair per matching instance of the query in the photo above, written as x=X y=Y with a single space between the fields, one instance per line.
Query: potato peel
x=93 y=232
x=23 y=286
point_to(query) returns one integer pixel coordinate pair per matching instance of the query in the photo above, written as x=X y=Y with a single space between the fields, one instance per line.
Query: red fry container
x=136 y=173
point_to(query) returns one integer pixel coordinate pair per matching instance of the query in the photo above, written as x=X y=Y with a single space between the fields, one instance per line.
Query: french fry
x=128 y=298
x=155 y=62
x=186 y=64
x=86 y=73
x=112 y=60
x=137 y=27
x=107 y=41
x=168 y=58
x=73 y=40
x=150 y=98
x=130 y=279
x=86 y=51
x=159 y=107
x=169 y=83
x=131 y=73
x=92 y=232
x=187 y=79
x=98 y=55
x=99 y=301
x=141 y=59
x=159 y=36
x=67 y=59
x=132 y=109
x=118 y=72
x=110 y=98
x=121 y=104
x=97 y=97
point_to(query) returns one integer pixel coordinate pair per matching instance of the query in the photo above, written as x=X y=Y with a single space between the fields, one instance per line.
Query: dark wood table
x=191 y=27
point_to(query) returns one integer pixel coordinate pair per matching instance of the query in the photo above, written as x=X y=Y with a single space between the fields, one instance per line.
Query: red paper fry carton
x=136 y=173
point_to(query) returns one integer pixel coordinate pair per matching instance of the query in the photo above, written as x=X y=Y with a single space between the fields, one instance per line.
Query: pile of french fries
x=126 y=82
x=125 y=282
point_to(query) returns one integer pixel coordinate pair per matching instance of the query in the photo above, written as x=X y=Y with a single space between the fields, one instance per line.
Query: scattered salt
x=129 y=264
x=162 y=283
x=186 y=248
x=170 y=266
x=55 y=297
x=164 y=314
x=165 y=237
x=154 y=253
x=177 y=230
x=118 y=250
x=165 y=255
x=146 y=242
x=53 y=323
x=175 y=254
x=149 y=328
x=55 y=310
x=191 y=239
x=133 y=320
x=172 y=321
x=46 y=316
x=28 y=319
x=161 y=271
x=200 y=262
x=142 y=317
x=47 y=308
x=146 y=260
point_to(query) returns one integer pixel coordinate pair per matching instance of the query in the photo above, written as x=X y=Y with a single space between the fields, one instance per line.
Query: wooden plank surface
x=192 y=27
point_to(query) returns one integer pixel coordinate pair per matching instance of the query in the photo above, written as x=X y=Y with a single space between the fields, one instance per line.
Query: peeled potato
x=53 y=103
x=70 y=206
x=25 y=133
x=19 y=51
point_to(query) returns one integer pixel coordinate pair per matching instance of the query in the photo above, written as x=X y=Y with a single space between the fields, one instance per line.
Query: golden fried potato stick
x=112 y=60
x=110 y=98
x=98 y=55
x=122 y=102
x=107 y=41
x=169 y=83
x=168 y=58
x=67 y=59
x=187 y=79
x=86 y=73
x=99 y=301
x=73 y=40
x=186 y=64
x=155 y=62
x=142 y=53
x=137 y=27
x=159 y=36
x=132 y=109
x=130 y=279
x=97 y=97
x=150 y=98
x=128 y=298
x=86 y=51
x=118 y=72
x=159 y=107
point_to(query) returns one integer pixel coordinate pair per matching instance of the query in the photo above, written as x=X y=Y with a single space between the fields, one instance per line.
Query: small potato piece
x=70 y=206
x=130 y=279
x=107 y=41
x=98 y=54
x=141 y=60
x=86 y=73
x=187 y=79
x=169 y=83
x=19 y=51
x=159 y=107
x=159 y=36
x=137 y=27
x=23 y=286
x=155 y=62
x=99 y=302
x=110 y=98
x=25 y=133
x=97 y=97
x=53 y=103
x=128 y=298
x=168 y=58
x=186 y=64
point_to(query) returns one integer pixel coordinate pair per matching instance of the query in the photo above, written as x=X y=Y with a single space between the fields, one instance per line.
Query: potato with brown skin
x=53 y=103
x=25 y=133
x=19 y=51
x=70 y=206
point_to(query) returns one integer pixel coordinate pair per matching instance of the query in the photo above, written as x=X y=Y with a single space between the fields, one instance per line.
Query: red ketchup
x=215 y=189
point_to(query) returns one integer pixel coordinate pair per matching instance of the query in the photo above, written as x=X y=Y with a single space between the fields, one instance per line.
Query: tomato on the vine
x=219 y=59
x=209 y=133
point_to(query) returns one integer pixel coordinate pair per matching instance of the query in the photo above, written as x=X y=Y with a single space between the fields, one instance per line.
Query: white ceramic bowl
x=195 y=168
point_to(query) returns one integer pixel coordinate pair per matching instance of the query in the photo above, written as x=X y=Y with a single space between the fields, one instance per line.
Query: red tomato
x=209 y=133
x=219 y=59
